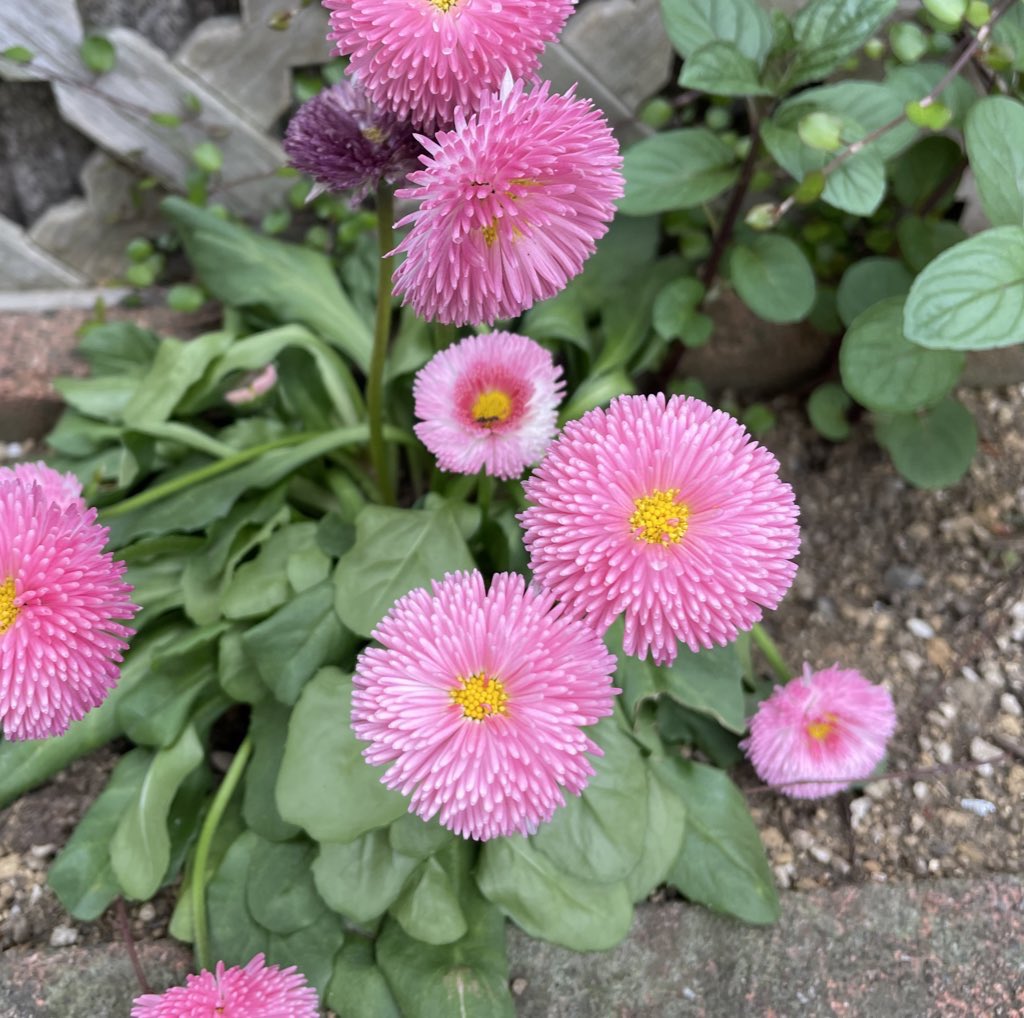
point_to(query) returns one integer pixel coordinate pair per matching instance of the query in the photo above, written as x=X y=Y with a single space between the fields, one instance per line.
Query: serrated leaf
x=933 y=449
x=721 y=69
x=395 y=551
x=676 y=170
x=971 y=297
x=887 y=374
x=692 y=24
x=773 y=278
x=994 y=129
x=827 y=31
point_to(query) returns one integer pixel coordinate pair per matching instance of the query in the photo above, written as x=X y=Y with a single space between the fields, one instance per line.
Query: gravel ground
x=923 y=591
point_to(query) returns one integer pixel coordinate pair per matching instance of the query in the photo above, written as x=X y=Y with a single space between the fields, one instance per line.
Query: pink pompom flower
x=511 y=203
x=60 y=595
x=477 y=698
x=256 y=991
x=665 y=512
x=488 y=402
x=829 y=727
x=62 y=489
x=423 y=58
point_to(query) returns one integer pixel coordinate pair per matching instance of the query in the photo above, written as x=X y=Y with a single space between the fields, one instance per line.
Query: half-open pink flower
x=478 y=699
x=488 y=402
x=511 y=203
x=62 y=604
x=423 y=58
x=665 y=512
x=820 y=731
x=256 y=991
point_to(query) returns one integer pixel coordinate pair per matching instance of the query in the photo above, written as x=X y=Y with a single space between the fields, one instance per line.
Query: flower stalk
x=381 y=336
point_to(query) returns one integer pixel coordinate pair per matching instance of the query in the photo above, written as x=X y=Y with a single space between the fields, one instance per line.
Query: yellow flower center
x=8 y=609
x=821 y=729
x=492 y=407
x=490 y=232
x=480 y=697
x=374 y=134
x=444 y=6
x=659 y=518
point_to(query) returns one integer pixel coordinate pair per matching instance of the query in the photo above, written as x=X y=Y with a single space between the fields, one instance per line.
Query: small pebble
x=63 y=936
x=900 y=577
x=21 y=929
x=821 y=853
x=943 y=752
x=984 y=751
x=518 y=986
x=859 y=810
x=920 y=628
x=42 y=851
x=982 y=807
x=147 y=913
x=1009 y=704
x=921 y=791
x=784 y=875
x=802 y=839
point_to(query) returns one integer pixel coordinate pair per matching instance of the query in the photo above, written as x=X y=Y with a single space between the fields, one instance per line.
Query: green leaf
x=972 y=296
x=396 y=550
x=930 y=172
x=827 y=408
x=994 y=129
x=773 y=278
x=935 y=116
x=82 y=874
x=666 y=823
x=185 y=297
x=675 y=307
x=722 y=864
x=884 y=372
x=325 y=786
x=119 y=348
x=361 y=878
x=468 y=978
x=932 y=449
x=549 y=903
x=599 y=835
x=428 y=909
x=692 y=24
x=18 y=55
x=559 y=317
x=208 y=157
x=155 y=711
x=234 y=935
x=314 y=947
x=245 y=269
x=166 y=119
x=413 y=836
x=279 y=890
x=98 y=54
x=358 y=988
x=868 y=281
x=676 y=170
x=908 y=42
x=923 y=240
x=268 y=729
x=828 y=31
x=721 y=69
x=140 y=849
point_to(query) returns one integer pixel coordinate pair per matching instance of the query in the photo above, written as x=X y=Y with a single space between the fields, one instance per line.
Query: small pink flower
x=61 y=489
x=511 y=203
x=422 y=58
x=478 y=698
x=60 y=595
x=259 y=384
x=829 y=727
x=665 y=512
x=488 y=402
x=256 y=991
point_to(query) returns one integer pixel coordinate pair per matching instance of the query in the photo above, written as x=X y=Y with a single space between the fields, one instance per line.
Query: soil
x=923 y=591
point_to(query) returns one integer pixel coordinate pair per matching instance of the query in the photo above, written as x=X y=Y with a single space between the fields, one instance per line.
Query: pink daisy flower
x=59 y=596
x=477 y=698
x=256 y=991
x=488 y=402
x=666 y=512
x=62 y=489
x=828 y=727
x=423 y=58
x=511 y=202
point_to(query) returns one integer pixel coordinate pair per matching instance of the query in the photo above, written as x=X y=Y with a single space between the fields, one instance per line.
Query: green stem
x=200 y=926
x=378 y=358
x=484 y=491
x=768 y=647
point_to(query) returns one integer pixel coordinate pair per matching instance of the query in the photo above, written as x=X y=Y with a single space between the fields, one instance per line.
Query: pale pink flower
x=61 y=489
x=60 y=595
x=423 y=58
x=511 y=203
x=829 y=727
x=477 y=699
x=488 y=402
x=259 y=384
x=665 y=512
x=256 y=991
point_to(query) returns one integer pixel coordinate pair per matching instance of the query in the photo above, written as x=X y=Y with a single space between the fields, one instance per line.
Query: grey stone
x=23 y=265
x=166 y=24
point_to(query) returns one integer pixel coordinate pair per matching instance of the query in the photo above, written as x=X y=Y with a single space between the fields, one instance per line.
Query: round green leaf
x=922 y=240
x=279 y=889
x=18 y=55
x=933 y=449
x=98 y=54
x=884 y=372
x=773 y=277
x=674 y=307
x=827 y=407
x=972 y=296
x=429 y=909
x=185 y=297
x=207 y=157
x=867 y=282
x=994 y=132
